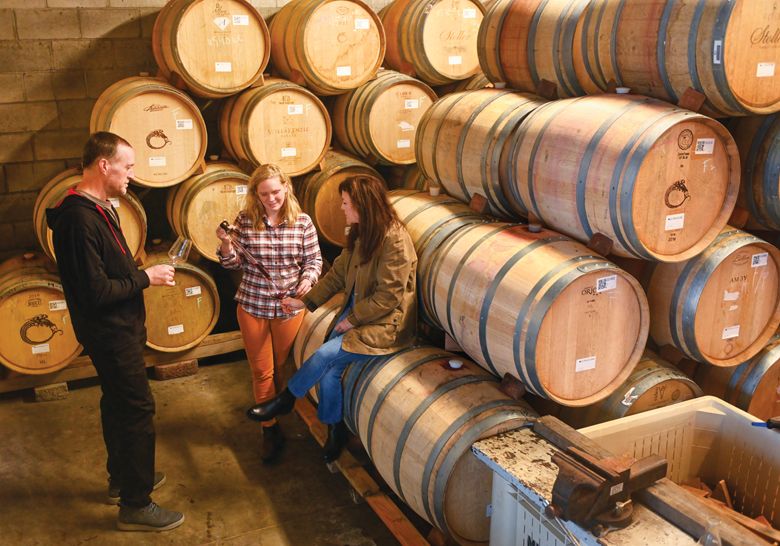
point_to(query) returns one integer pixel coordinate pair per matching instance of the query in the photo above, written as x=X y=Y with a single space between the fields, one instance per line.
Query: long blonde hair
x=255 y=210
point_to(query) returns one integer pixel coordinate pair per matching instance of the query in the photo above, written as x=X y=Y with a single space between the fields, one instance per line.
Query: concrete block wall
x=56 y=57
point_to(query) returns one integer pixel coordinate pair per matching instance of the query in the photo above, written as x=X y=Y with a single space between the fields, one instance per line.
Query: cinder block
x=12 y=87
x=261 y=4
x=110 y=23
x=25 y=55
x=24 y=4
x=16 y=147
x=134 y=53
x=47 y=23
x=24 y=234
x=30 y=116
x=37 y=86
x=7 y=25
x=17 y=207
x=55 y=391
x=7 y=237
x=137 y=3
x=69 y=84
x=31 y=176
x=64 y=144
x=3 y=186
x=173 y=370
x=74 y=114
x=77 y=3
x=84 y=54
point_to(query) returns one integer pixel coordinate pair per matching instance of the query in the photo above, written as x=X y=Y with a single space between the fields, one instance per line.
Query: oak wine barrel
x=507 y=295
x=408 y=177
x=377 y=121
x=461 y=139
x=330 y=46
x=522 y=42
x=657 y=180
x=433 y=41
x=215 y=47
x=179 y=317
x=751 y=386
x=654 y=383
x=758 y=140
x=38 y=336
x=319 y=194
x=164 y=126
x=196 y=206
x=722 y=306
x=728 y=50
x=417 y=419
x=132 y=216
x=280 y=123
x=430 y=221
x=474 y=83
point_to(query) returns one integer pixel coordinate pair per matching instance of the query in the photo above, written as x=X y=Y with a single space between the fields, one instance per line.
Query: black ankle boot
x=273 y=442
x=281 y=404
x=337 y=439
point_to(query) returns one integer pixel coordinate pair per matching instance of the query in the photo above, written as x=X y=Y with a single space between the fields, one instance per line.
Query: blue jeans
x=326 y=367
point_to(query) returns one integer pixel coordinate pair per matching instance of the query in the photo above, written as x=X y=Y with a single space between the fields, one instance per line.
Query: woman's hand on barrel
x=343 y=326
x=222 y=235
x=290 y=305
x=303 y=287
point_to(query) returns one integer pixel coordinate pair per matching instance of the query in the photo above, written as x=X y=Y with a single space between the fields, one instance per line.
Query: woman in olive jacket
x=377 y=273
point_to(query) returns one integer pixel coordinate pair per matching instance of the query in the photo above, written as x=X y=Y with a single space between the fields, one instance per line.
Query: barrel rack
x=81 y=367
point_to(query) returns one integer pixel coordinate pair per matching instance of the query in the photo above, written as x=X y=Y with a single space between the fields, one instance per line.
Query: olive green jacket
x=384 y=314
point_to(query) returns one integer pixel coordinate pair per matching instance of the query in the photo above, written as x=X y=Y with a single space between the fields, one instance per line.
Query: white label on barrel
x=411 y=104
x=584 y=364
x=674 y=221
x=405 y=126
x=40 y=349
x=403 y=143
x=730 y=332
x=606 y=283
x=223 y=66
x=221 y=22
x=705 y=146
x=615 y=489
x=629 y=398
x=730 y=296
x=469 y=13
x=362 y=24
x=241 y=189
x=717 y=51
x=759 y=260
x=343 y=71
x=241 y=20
x=289 y=152
x=158 y=161
x=184 y=124
x=57 y=305
x=176 y=329
x=114 y=202
x=192 y=291
x=295 y=109
x=454 y=60
x=765 y=70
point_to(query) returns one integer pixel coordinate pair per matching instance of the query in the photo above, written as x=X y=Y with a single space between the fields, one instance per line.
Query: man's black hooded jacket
x=103 y=286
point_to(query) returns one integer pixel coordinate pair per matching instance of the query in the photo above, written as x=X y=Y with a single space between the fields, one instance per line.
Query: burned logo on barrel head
x=685 y=139
x=38 y=321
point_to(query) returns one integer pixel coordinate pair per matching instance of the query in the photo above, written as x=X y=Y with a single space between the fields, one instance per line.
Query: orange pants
x=267 y=343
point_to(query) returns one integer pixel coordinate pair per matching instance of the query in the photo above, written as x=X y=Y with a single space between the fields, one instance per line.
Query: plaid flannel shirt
x=289 y=254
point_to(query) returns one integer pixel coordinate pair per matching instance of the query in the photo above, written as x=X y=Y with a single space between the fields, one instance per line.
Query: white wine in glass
x=180 y=250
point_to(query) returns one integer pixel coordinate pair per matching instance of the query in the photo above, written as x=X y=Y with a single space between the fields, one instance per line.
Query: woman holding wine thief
x=275 y=245
x=376 y=271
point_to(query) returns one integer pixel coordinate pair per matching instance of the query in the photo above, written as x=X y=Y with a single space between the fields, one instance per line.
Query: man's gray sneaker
x=113 y=487
x=149 y=518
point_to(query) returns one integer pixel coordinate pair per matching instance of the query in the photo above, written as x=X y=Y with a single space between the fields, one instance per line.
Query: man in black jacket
x=104 y=292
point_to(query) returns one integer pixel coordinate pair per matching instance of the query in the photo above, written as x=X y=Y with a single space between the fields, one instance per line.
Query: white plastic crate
x=706 y=438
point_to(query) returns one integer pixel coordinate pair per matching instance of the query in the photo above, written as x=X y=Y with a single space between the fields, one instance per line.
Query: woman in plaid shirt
x=277 y=250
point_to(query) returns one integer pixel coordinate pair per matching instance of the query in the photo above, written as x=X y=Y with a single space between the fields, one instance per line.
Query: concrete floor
x=53 y=482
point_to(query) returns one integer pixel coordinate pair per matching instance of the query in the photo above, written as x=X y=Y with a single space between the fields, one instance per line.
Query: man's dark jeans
x=127 y=412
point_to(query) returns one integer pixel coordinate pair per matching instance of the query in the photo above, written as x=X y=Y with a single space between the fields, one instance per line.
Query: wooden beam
x=382 y=505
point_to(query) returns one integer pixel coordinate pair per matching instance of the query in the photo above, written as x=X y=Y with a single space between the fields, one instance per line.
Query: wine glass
x=180 y=250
